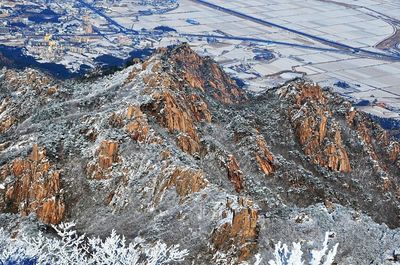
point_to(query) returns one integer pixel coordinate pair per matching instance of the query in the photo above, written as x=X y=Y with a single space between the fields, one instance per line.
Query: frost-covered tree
x=285 y=256
x=71 y=248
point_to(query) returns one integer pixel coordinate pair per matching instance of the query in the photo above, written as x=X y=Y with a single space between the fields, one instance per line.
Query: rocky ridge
x=170 y=147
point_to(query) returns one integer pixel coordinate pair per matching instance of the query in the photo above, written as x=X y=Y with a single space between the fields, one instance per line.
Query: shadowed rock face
x=171 y=148
x=4 y=60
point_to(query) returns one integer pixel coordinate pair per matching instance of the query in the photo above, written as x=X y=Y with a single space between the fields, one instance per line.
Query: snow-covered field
x=359 y=24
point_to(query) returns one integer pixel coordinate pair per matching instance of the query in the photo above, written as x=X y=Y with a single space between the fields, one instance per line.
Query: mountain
x=171 y=148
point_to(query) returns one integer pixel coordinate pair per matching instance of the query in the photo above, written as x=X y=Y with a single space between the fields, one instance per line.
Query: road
x=334 y=44
x=269 y=42
x=390 y=43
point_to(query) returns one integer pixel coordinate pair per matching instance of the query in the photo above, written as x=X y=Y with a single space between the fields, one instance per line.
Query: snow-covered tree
x=285 y=256
x=70 y=248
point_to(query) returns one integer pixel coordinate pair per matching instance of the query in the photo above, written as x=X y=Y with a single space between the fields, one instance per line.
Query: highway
x=269 y=42
x=334 y=44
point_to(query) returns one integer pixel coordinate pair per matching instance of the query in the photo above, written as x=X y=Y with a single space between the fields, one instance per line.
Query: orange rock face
x=7 y=123
x=107 y=155
x=188 y=145
x=36 y=188
x=310 y=92
x=138 y=130
x=137 y=127
x=240 y=233
x=199 y=108
x=52 y=90
x=173 y=114
x=264 y=157
x=317 y=132
x=179 y=100
x=134 y=112
x=177 y=118
x=235 y=175
x=394 y=151
x=218 y=83
x=350 y=117
x=337 y=159
x=185 y=180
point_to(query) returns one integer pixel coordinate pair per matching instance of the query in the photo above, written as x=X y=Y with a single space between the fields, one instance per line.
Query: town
x=76 y=33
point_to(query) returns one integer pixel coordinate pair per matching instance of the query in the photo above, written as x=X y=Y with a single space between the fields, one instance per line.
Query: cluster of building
x=72 y=33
